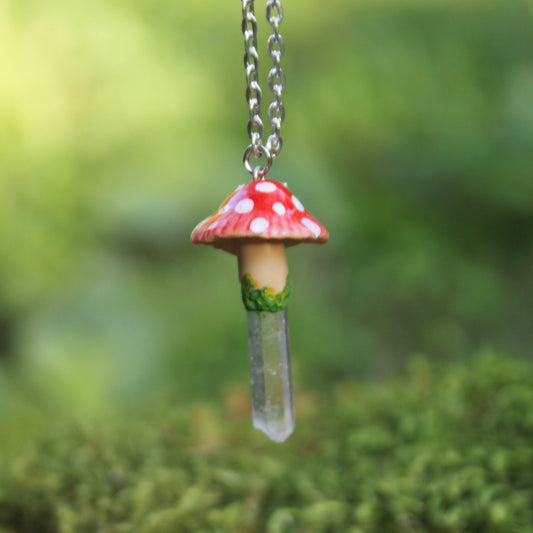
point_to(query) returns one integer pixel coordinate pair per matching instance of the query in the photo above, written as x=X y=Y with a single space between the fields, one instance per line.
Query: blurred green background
x=409 y=134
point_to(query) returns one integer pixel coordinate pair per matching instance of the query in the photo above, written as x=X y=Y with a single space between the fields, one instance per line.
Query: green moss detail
x=265 y=299
x=442 y=449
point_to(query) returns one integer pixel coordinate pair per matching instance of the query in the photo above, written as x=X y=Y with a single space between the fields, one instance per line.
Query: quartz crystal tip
x=270 y=374
x=276 y=433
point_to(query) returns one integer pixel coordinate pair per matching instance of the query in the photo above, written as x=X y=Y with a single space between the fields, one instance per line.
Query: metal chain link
x=276 y=83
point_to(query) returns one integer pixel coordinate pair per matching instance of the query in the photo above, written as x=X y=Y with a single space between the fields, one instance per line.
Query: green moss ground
x=437 y=451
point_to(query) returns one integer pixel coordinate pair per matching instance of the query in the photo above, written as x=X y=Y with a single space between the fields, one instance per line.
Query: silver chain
x=276 y=83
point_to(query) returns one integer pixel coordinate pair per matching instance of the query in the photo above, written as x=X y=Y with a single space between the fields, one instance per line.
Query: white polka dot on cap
x=244 y=206
x=311 y=226
x=297 y=204
x=259 y=225
x=279 y=209
x=265 y=186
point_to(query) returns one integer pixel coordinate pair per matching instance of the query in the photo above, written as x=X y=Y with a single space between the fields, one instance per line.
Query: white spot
x=278 y=208
x=311 y=226
x=225 y=209
x=297 y=204
x=213 y=225
x=244 y=206
x=265 y=186
x=259 y=224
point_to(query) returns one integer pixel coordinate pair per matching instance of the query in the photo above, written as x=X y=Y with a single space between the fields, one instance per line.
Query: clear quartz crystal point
x=270 y=373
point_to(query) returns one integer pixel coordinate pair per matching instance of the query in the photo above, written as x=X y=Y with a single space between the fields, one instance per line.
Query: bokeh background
x=409 y=134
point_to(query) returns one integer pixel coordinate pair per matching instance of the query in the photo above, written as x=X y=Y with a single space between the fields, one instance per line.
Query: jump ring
x=257 y=172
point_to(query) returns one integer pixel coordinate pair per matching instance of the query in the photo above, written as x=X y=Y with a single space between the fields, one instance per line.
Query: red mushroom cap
x=261 y=209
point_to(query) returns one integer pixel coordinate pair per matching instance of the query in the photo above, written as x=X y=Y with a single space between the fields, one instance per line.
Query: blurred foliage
x=436 y=452
x=409 y=134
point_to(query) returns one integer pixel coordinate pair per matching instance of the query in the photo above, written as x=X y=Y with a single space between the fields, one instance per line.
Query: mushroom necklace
x=256 y=223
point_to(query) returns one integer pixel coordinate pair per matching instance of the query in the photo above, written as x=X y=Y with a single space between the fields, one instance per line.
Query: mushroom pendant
x=255 y=223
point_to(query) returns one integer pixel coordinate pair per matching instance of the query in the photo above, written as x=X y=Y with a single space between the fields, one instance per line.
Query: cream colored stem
x=265 y=261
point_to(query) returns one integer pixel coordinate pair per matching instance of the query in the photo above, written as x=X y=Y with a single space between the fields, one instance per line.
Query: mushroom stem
x=263 y=272
x=266 y=262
